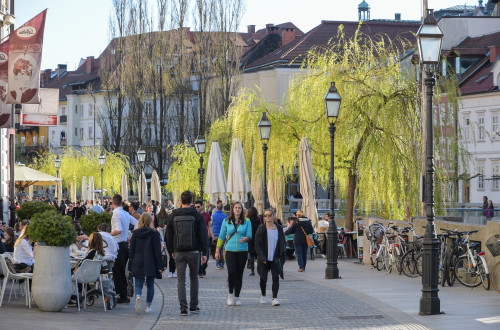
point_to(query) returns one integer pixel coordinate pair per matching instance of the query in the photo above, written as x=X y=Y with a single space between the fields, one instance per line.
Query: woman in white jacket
x=23 y=253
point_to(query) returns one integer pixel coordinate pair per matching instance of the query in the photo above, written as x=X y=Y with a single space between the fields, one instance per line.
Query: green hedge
x=52 y=229
x=90 y=222
x=29 y=209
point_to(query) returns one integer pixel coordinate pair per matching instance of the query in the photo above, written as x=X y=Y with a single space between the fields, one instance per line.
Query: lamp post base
x=331 y=273
x=430 y=303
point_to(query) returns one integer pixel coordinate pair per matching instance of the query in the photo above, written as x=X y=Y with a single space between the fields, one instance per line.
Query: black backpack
x=184 y=232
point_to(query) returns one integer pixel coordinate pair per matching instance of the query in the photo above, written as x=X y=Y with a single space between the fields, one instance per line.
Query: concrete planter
x=52 y=285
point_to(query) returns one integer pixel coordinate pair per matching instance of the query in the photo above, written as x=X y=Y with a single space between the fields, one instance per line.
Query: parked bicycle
x=411 y=261
x=471 y=269
x=493 y=244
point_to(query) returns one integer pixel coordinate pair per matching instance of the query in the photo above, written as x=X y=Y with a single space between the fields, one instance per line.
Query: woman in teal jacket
x=236 y=230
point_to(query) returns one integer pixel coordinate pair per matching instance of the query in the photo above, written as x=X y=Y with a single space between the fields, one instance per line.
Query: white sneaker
x=174 y=275
x=148 y=310
x=170 y=275
x=263 y=300
x=276 y=302
x=230 y=299
x=138 y=309
x=237 y=301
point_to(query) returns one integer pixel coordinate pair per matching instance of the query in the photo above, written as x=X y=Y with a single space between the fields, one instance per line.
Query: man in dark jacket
x=300 y=229
x=186 y=237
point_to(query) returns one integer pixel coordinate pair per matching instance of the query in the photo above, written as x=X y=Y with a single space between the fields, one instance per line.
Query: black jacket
x=296 y=228
x=256 y=222
x=261 y=244
x=145 y=252
x=200 y=232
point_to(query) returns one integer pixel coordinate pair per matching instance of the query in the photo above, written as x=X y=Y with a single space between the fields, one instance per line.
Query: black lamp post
x=141 y=157
x=264 y=126
x=332 y=107
x=200 y=145
x=102 y=162
x=57 y=163
x=429 y=38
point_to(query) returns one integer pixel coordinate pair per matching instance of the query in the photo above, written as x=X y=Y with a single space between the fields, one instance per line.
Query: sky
x=77 y=29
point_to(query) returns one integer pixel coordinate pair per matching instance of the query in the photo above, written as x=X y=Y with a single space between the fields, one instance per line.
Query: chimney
x=61 y=69
x=494 y=53
x=397 y=16
x=89 y=64
x=287 y=35
x=271 y=29
x=251 y=28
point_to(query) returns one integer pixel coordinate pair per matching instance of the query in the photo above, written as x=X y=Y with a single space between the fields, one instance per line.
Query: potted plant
x=29 y=209
x=52 y=285
x=90 y=222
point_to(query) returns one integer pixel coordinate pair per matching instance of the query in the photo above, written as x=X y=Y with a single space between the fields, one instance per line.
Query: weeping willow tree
x=76 y=164
x=183 y=173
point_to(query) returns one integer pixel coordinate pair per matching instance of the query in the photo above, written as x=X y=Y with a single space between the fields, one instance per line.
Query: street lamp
x=200 y=145
x=57 y=163
x=264 y=126
x=332 y=107
x=102 y=162
x=429 y=38
x=141 y=157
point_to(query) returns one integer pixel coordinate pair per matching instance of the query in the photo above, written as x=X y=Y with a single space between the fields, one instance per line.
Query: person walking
x=186 y=236
x=202 y=268
x=256 y=221
x=238 y=231
x=145 y=260
x=218 y=217
x=270 y=249
x=485 y=206
x=301 y=227
x=490 y=211
x=120 y=222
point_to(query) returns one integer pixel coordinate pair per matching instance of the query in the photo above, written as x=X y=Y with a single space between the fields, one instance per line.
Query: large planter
x=52 y=285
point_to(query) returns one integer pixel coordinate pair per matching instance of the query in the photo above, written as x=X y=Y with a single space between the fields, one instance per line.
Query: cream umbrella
x=84 y=189
x=155 y=187
x=257 y=188
x=143 y=187
x=73 y=192
x=91 y=193
x=237 y=176
x=306 y=181
x=276 y=192
x=215 y=185
x=124 y=189
x=25 y=177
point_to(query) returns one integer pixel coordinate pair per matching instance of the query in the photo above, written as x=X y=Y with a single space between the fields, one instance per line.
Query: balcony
x=63 y=119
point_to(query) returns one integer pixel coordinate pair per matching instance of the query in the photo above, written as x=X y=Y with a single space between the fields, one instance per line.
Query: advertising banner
x=45 y=113
x=5 y=109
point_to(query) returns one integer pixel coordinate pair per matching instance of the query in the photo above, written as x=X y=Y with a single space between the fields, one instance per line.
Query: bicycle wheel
x=449 y=270
x=409 y=264
x=495 y=277
x=381 y=259
x=466 y=273
x=388 y=261
x=444 y=272
x=485 y=277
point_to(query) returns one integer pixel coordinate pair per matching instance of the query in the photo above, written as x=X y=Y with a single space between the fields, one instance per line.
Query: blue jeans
x=150 y=282
x=301 y=253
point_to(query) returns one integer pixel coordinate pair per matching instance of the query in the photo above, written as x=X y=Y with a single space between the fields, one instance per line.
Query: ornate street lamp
x=200 y=145
x=141 y=157
x=332 y=107
x=102 y=162
x=264 y=126
x=429 y=38
x=57 y=163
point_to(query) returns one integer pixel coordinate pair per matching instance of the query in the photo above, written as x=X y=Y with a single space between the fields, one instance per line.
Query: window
x=76 y=131
x=53 y=136
x=81 y=133
x=496 y=175
x=35 y=141
x=467 y=130
x=63 y=111
x=480 y=122
x=480 y=182
x=90 y=110
x=90 y=133
x=494 y=125
x=76 y=109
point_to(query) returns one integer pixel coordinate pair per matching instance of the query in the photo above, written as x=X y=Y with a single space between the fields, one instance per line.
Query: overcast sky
x=77 y=29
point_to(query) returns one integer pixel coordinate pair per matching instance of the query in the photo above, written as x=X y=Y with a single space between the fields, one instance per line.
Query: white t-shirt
x=23 y=253
x=272 y=241
x=112 y=248
x=120 y=221
x=323 y=223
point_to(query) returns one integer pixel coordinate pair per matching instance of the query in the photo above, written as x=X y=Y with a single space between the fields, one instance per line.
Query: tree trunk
x=351 y=190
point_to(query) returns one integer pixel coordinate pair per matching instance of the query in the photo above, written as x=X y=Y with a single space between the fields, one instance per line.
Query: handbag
x=222 y=256
x=309 y=240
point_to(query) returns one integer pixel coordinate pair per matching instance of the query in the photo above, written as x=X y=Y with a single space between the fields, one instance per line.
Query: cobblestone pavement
x=305 y=304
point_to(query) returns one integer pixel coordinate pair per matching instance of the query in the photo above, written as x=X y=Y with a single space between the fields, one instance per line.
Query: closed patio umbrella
x=215 y=185
x=276 y=192
x=155 y=187
x=91 y=193
x=306 y=181
x=143 y=187
x=124 y=189
x=84 y=189
x=257 y=188
x=73 y=192
x=237 y=176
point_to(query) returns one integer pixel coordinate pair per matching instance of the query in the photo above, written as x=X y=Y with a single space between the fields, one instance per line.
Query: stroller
x=107 y=286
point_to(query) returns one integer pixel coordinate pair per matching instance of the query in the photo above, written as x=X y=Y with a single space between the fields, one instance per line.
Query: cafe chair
x=9 y=274
x=89 y=272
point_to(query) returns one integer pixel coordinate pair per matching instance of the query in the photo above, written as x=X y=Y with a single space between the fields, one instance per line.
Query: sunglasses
x=267 y=216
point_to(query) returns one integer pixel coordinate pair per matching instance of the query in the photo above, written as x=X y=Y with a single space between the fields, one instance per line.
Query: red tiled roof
x=260 y=34
x=478 y=79
x=321 y=35
x=492 y=39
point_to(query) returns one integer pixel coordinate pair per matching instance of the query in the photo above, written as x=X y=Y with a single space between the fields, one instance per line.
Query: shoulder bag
x=309 y=240
x=222 y=256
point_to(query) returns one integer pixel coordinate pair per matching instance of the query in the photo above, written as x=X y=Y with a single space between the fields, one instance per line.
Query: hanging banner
x=45 y=113
x=5 y=109
x=25 y=54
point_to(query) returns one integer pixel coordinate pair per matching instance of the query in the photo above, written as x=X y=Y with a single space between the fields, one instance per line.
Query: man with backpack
x=186 y=237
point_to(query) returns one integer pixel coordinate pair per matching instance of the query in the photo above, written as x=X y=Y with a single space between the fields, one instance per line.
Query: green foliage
x=183 y=174
x=52 y=229
x=76 y=164
x=90 y=222
x=29 y=209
